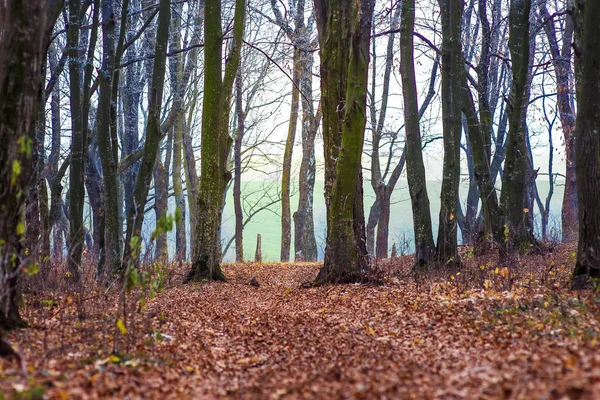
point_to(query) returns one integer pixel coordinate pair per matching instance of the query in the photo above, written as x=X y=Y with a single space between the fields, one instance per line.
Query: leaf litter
x=484 y=332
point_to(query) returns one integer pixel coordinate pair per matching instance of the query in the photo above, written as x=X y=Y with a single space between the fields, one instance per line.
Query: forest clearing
x=457 y=334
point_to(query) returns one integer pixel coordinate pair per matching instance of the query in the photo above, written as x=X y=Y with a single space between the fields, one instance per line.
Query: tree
x=379 y=215
x=424 y=245
x=514 y=182
x=561 y=61
x=452 y=70
x=344 y=37
x=135 y=215
x=107 y=143
x=587 y=144
x=216 y=141
x=78 y=142
x=21 y=57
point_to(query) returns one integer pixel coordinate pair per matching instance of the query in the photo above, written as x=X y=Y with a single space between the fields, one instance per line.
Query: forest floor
x=481 y=332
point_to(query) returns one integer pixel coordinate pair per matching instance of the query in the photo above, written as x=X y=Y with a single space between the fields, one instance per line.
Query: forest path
x=398 y=340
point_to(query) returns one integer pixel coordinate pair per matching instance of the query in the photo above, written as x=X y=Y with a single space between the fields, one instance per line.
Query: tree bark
x=452 y=70
x=286 y=175
x=135 y=215
x=216 y=141
x=344 y=36
x=78 y=144
x=514 y=182
x=21 y=57
x=415 y=168
x=587 y=143
x=561 y=61
x=237 y=167
x=106 y=145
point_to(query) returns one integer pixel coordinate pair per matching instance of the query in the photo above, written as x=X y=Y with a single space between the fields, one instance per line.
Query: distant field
x=268 y=224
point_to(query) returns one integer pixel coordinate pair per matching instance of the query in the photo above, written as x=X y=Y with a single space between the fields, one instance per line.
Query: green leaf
x=32 y=269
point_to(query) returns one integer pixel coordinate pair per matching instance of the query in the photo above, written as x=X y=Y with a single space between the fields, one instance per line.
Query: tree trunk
x=344 y=35
x=383 y=223
x=21 y=57
x=106 y=145
x=216 y=141
x=415 y=168
x=161 y=203
x=135 y=215
x=78 y=144
x=514 y=182
x=237 y=167
x=588 y=146
x=286 y=221
x=481 y=166
x=561 y=61
x=305 y=243
x=452 y=70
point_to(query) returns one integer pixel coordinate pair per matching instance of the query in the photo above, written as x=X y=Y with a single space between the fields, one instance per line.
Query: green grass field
x=268 y=223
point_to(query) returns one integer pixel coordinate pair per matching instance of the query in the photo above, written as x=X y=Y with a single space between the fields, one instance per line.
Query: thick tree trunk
x=216 y=141
x=106 y=144
x=21 y=56
x=415 y=168
x=588 y=146
x=452 y=70
x=514 y=182
x=344 y=35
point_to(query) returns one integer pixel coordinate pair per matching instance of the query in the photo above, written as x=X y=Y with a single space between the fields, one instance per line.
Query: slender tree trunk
x=384 y=223
x=481 y=166
x=305 y=243
x=216 y=141
x=561 y=61
x=21 y=57
x=286 y=220
x=344 y=35
x=452 y=70
x=135 y=215
x=161 y=202
x=587 y=143
x=78 y=144
x=415 y=167
x=237 y=167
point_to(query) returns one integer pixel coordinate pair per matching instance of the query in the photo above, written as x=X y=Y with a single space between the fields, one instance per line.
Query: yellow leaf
x=497 y=271
x=451 y=216
x=504 y=272
x=369 y=330
x=487 y=284
x=20 y=229
x=121 y=327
